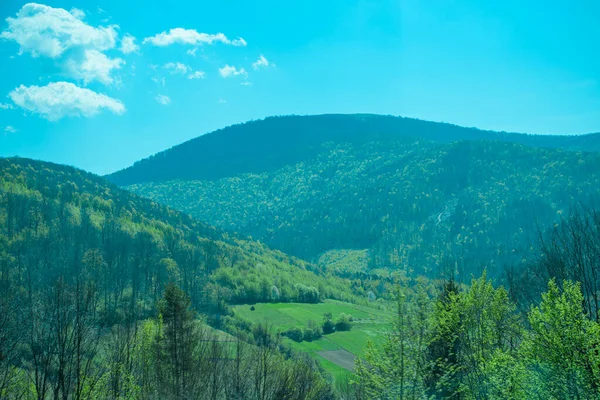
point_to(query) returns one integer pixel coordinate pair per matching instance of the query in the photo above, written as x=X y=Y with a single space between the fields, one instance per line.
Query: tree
x=572 y=252
x=328 y=324
x=564 y=344
x=177 y=342
x=394 y=371
x=343 y=323
x=443 y=374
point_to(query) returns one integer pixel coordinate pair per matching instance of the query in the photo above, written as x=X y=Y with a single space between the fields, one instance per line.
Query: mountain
x=378 y=192
x=269 y=144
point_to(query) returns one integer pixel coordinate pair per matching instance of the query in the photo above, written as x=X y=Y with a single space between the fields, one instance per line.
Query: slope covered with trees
x=414 y=204
x=84 y=312
x=272 y=143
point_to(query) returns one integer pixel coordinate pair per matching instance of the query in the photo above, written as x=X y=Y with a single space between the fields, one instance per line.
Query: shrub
x=344 y=323
x=328 y=325
x=295 y=334
x=313 y=332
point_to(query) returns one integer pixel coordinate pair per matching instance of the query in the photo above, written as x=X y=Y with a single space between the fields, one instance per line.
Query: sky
x=101 y=84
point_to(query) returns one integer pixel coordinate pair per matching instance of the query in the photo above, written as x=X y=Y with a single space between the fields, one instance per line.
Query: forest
x=371 y=258
x=411 y=203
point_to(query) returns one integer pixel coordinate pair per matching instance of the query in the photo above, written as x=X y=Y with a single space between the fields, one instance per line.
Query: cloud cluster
x=128 y=45
x=94 y=65
x=60 y=99
x=262 y=62
x=76 y=47
x=230 y=71
x=181 y=69
x=10 y=129
x=177 y=68
x=46 y=31
x=190 y=37
x=81 y=52
x=197 y=75
x=162 y=99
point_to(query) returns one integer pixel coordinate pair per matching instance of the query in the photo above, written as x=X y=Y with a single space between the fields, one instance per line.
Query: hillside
x=272 y=143
x=412 y=204
x=99 y=290
x=57 y=220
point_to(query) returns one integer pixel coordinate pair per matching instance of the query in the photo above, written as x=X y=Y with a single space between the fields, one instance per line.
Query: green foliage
x=328 y=324
x=312 y=332
x=295 y=334
x=565 y=344
x=393 y=203
x=259 y=146
x=343 y=323
x=82 y=263
x=477 y=347
x=307 y=294
x=395 y=370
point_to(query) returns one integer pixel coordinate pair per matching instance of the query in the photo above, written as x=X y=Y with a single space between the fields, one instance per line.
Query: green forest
x=327 y=257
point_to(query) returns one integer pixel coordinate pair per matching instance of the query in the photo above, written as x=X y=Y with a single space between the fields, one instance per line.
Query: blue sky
x=100 y=84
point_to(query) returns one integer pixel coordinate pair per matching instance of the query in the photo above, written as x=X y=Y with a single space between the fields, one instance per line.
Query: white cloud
x=60 y=99
x=77 y=13
x=191 y=37
x=10 y=129
x=246 y=83
x=159 y=80
x=62 y=35
x=197 y=75
x=221 y=101
x=6 y=106
x=162 y=99
x=94 y=66
x=48 y=31
x=128 y=45
x=230 y=71
x=192 y=52
x=262 y=62
x=177 y=68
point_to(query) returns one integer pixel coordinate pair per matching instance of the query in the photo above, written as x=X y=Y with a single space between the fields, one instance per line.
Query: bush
x=328 y=325
x=295 y=334
x=344 y=323
x=313 y=332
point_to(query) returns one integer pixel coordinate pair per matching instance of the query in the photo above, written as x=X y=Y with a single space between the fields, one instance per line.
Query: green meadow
x=369 y=323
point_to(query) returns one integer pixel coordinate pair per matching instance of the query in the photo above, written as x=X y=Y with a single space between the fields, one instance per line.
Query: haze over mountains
x=394 y=193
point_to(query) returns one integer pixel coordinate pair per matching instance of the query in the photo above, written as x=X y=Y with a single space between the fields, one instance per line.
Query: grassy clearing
x=370 y=323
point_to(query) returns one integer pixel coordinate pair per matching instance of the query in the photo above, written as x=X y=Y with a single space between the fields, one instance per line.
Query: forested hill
x=99 y=290
x=405 y=204
x=270 y=144
x=57 y=222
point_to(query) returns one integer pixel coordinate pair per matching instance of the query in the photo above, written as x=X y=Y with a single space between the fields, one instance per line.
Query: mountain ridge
x=268 y=144
x=411 y=203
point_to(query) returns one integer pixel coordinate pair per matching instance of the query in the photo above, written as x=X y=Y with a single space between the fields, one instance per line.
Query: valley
x=348 y=262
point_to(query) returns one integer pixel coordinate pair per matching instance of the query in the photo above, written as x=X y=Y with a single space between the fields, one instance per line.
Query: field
x=335 y=351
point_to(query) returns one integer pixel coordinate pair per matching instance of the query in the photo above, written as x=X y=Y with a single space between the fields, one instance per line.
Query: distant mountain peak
x=271 y=143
